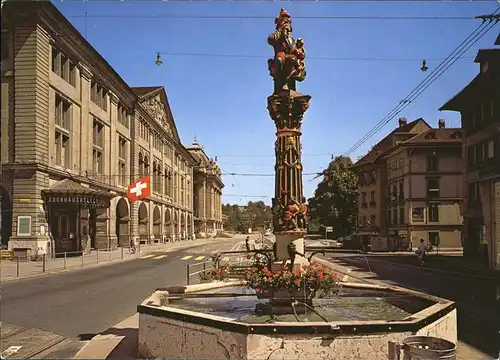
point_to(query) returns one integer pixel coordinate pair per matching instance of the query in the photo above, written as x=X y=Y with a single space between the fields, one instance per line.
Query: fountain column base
x=283 y=256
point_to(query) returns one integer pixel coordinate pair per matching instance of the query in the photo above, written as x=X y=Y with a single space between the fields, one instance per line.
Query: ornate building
x=208 y=187
x=157 y=151
x=74 y=135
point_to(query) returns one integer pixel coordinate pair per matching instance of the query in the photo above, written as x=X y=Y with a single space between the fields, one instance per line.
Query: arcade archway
x=157 y=224
x=143 y=223
x=122 y=222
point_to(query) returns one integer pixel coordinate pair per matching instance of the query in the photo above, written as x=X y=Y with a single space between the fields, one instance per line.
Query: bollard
x=43 y=262
x=204 y=267
x=121 y=252
x=82 y=257
x=17 y=266
x=97 y=255
x=188 y=274
x=64 y=261
x=109 y=254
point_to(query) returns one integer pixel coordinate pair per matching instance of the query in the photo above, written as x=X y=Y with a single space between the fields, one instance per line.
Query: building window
x=372 y=220
x=141 y=165
x=373 y=176
x=372 y=197
x=417 y=214
x=98 y=133
x=394 y=192
x=401 y=190
x=123 y=116
x=480 y=152
x=97 y=161
x=166 y=182
x=433 y=188
x=63 y=66
x=122 y=160
x=434 y=238
x=389 y=216
x=363 y=198
x=99 y=95
x=122 y=173
x=24 y=226
x=432 y=162
x=490 y=149
x=144 y=130
x=471 y=155
x=363 y=221
x=394 y=216
x=473 y=192
x=146 y=166
x=401 y=215
x=62 y=112
x=62 y=149
x=433 y=210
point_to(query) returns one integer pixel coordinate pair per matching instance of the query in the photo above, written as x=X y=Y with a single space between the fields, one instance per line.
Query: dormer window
x=456 y=135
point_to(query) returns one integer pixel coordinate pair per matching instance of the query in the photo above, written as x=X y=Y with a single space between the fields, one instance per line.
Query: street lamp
x=158 y=61
x=424 y=67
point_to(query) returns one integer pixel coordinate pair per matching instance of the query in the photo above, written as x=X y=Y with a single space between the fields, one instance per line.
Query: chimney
x=441 y=124
x=402 y=121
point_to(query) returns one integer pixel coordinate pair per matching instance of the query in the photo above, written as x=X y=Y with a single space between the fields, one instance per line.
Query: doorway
x=63 y=229
x=92 y=227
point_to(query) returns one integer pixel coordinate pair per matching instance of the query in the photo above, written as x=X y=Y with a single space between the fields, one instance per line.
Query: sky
x=371 y=65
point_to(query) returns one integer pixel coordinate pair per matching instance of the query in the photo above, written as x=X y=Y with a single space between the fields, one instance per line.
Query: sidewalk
x=11 y=270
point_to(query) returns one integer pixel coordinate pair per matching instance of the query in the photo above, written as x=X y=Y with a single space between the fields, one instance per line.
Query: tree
x=335 y=201
x=255 y=215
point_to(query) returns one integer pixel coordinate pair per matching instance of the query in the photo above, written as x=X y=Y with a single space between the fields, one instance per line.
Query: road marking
x=147 y=256
x=160 y=257
x=186 y=257
x=11 y=350
x=346 y=276
x=200 y=258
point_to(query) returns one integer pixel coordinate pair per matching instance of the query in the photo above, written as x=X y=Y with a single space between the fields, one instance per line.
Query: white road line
x=147 y=256
x=186 y=257
x=160 y=257
x=200 y=258
x=346 y=277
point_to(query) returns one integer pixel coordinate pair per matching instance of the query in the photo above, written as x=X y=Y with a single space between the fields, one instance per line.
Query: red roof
x=443 y=135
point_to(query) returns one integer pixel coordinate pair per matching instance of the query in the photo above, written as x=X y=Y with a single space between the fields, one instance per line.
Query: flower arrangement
x=216 y=274
x=314 y=279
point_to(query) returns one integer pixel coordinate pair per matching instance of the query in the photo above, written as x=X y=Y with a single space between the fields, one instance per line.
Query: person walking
x=422 y=249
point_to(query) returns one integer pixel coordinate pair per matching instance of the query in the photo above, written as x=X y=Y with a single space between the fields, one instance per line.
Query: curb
x=113 y=340
x=112 y=262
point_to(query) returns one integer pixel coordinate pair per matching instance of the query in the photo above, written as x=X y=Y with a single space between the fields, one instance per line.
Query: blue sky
x=222 y=100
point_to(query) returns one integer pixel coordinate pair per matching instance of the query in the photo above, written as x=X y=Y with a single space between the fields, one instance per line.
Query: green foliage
x=335 y=201
x=255 y=215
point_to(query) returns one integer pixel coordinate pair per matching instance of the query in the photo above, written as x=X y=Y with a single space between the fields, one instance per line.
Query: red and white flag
x=140 y=189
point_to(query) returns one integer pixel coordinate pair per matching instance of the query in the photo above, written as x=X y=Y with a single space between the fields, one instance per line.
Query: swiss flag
x=140 y=189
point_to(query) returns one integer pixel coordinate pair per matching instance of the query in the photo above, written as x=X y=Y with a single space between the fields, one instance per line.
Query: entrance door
x=61 y=228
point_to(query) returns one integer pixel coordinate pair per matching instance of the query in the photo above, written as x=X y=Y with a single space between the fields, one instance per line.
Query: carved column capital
x=112 y=97
x=85 y=71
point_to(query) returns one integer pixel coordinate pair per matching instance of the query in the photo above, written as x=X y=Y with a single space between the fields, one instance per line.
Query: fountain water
x=225 y=320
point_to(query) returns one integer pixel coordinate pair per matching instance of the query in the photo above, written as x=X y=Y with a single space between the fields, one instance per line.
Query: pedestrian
x=422 y=248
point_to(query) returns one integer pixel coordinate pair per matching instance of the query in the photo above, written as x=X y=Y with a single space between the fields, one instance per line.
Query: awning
x=68 y=191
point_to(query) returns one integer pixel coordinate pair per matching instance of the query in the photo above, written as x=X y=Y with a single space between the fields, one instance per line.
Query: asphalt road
x=478 y=313
x=77 y=305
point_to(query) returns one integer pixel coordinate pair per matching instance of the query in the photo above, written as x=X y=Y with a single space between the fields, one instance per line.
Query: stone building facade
x=411 y=187
x=74 y=135
x=479 y=106
x=208 y=187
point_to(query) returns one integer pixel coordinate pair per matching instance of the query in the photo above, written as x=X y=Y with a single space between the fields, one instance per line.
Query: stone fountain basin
x=176 y=331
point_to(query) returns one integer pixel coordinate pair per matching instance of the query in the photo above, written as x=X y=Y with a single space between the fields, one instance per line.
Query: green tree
x=335 y=201
x=255 y=215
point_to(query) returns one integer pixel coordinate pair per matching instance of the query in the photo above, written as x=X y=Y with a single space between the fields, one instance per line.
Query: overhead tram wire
x=253 y=17
x=406 y=101
x=424 y=84
x=473 y=38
